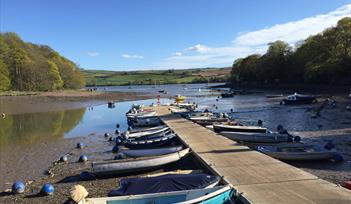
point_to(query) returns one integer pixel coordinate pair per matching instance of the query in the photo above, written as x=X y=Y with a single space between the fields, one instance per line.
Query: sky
x=164 y=34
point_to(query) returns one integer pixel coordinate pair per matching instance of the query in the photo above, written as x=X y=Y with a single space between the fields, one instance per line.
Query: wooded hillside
x=31 y=67
x=324 y=58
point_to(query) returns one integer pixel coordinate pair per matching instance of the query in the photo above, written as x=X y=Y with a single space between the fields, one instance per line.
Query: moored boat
x=204 y=121
x=215 y=195
x=256 y=136
x=150 y=142
x=296 y=99
x=150 y=152
x=142 y=121
x=298 y=152
x=147 y=133
x=114 y=167
x=164 y=183
x=238 y=128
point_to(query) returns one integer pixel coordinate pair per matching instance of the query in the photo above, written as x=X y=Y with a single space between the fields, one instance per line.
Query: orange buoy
x=347 y=184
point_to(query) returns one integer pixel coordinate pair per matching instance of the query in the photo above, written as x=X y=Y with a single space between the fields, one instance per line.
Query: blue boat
x=164 y=183
x=215 y=195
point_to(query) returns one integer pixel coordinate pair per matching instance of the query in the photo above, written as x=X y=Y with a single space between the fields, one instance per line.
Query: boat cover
x=164 y=183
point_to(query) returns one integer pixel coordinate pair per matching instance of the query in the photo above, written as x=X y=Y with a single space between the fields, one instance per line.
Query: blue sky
x=164 y=34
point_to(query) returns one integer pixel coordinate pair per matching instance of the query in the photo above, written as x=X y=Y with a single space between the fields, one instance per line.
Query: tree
x=5 y=82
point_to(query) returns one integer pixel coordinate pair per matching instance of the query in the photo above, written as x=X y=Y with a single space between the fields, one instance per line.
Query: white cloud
x=93 y=54
x=253 y=42
x=178 y=53
x=127 y=56
x=198 y=48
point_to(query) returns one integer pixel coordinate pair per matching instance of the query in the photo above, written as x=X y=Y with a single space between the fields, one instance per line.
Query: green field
x=120 y=78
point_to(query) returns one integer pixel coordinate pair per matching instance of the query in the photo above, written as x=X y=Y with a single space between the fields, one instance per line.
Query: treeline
x=31 y=67
x=324 y=58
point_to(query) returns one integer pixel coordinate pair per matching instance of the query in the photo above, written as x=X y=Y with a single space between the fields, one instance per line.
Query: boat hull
x=135 y=165
x=151 y=152
x=216 y=195
x=256 y=137
x=318 y=154
x=238 y=128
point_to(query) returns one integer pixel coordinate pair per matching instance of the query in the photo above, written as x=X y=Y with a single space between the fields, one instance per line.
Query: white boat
x=152 y=142
x=132 y=115
x=298 y=152
x=238 y=128
x=157 y=132
x=135 y=130
x=141 y=121
x=255 y=137
x=150 y=152
x=215 y=195
x=134 y=165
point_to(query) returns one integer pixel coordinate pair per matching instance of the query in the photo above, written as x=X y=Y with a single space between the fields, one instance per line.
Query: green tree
x=5 y=82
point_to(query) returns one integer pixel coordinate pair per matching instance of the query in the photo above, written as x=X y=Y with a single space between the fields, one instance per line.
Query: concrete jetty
x=256 y=176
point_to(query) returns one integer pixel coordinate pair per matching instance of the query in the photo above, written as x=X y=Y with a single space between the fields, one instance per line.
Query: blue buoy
x=115 y=149
x=118 y=141
x=110 y=139
x=83 y=158
x=80 y=145
x=117 y=132
x=64 y=158
x=129 y=128
x=117 y=126
x=106 y=134
x=48 y=189
x=18 y=187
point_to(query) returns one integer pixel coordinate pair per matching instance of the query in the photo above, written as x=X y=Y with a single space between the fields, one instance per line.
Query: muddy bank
x=65 y=175
x=63 y=100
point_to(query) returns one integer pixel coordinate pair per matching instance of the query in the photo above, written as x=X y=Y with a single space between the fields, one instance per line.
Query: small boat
x=179 y=99
x=135 y=130
x=149 y=143
x=255 y=136
x=238 y=128
x=114 y=167
x=299 y=152
x=146 y=133
x=145 y=113
x=142 y=121
x=216 y=195
x=150 y=152
x=204 y=121
x=296 y=99
x=164 y=183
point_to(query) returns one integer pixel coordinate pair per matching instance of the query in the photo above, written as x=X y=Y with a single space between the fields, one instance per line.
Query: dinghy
x=147 y=113
x=146 y=133
x=298 y=152
x=114 y=167
x=204 y=121
x=141 y=121
x=238 y=128
x=134 y=130
x=150 y=152
x=216 y=195
x=164 y=183
x=296 y=99
x=255 y=137
x=149 y=143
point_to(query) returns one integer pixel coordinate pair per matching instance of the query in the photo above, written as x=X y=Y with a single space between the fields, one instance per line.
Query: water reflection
x=34 y=127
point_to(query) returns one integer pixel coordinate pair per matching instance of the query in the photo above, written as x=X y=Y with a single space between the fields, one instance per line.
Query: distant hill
x=150 y=77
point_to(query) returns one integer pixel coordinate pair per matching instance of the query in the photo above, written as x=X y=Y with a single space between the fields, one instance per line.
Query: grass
x=109 y=78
